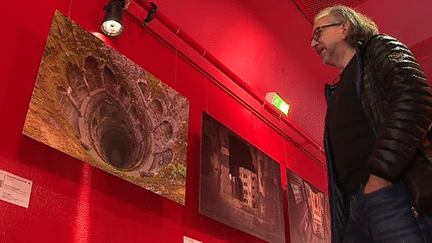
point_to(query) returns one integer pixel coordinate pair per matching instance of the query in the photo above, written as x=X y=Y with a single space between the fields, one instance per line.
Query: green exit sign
x=278 y=102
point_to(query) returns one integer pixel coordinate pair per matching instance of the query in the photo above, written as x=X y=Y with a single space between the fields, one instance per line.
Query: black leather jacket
x=397 y=100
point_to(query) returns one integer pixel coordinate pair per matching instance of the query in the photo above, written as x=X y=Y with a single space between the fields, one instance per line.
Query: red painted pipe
x=224 y=69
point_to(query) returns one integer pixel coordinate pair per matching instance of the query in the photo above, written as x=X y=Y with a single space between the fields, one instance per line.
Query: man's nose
x=313 y=43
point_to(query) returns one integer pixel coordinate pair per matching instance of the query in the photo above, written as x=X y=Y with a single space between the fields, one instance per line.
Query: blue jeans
x=386 y=216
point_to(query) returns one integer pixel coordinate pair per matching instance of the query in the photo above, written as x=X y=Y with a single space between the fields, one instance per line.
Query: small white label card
x=190 y=240
x=14 y=189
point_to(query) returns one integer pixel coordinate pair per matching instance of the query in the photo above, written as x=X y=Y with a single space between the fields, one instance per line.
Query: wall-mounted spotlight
x=113 y=22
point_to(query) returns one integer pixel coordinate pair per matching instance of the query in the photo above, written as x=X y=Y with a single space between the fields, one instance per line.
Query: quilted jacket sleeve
x=406 y=115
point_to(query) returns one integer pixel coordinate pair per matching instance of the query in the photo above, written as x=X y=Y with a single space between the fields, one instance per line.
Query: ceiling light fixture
x=113 y=21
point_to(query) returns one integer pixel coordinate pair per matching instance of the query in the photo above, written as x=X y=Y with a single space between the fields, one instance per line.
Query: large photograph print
x=308 y=210
x=91 y=102
x=240 y=185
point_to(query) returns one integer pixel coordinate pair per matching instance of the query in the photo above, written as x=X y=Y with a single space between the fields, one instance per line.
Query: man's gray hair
x=362 y=27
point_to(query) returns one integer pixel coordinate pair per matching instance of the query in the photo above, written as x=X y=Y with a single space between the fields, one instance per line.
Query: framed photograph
x=308 y=211
x=93 y=103
x=240 y=185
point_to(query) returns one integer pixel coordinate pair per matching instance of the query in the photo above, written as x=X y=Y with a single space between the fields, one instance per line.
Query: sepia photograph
x=240 y=185
x=308 y=211
x=91 y=102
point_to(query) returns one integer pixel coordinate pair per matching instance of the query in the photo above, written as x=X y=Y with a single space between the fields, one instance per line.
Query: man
x=377 y=132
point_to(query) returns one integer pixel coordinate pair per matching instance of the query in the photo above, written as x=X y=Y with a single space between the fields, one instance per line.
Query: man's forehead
x=327 y=19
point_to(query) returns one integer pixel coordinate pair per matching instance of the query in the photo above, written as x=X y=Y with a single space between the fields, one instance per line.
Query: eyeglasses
x=317 y=32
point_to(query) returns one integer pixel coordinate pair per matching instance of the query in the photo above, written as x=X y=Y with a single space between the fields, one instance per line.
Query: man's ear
x=345 y=28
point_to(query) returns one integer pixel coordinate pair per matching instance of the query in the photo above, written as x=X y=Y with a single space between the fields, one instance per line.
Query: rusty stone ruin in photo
x=308 y=210
x=240 y=185
x=94 y=104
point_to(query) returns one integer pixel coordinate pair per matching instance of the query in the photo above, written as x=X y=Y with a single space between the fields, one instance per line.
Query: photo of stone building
x=308 y=210
x=240 y=185
x=96 y=105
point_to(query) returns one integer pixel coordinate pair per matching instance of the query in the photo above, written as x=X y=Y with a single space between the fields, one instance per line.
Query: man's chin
x=326 y=61
x=324 y=58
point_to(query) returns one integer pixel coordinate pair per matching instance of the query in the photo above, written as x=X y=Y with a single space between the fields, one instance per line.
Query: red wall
x=74 y=202
x=423 y=52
